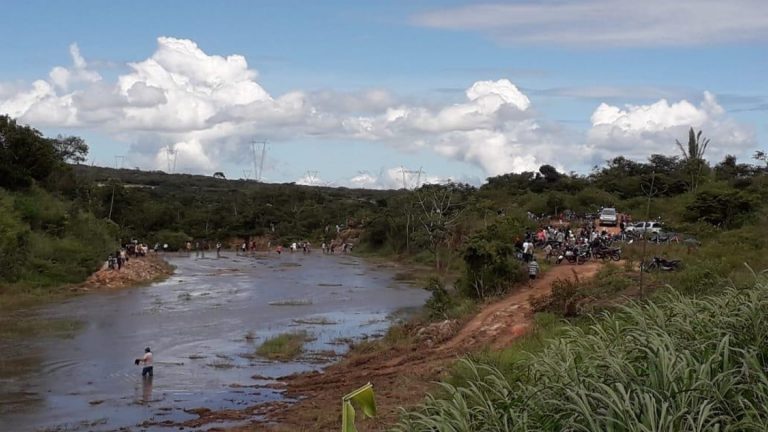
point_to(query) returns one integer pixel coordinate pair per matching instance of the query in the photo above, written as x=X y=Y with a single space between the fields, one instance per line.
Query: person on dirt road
x=527 y=250
x=533 y=270
x=147 y=361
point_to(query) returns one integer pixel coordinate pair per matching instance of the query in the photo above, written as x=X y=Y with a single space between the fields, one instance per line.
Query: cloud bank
x=616 y=23
x=205 y=108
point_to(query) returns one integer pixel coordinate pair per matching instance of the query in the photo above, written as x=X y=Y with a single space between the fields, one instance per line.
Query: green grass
x=285 y=346
x=676 y=363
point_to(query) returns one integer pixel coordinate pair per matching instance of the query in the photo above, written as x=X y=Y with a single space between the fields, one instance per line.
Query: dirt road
x=502 y=322
x=401 y=376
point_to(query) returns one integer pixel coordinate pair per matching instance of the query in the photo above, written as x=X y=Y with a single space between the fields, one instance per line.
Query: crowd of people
x=552 y=239
x=117 y=259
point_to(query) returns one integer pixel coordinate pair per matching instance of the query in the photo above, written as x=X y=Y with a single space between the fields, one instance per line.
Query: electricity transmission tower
x=408 y=173
x=170 y=156
x=312 y=178
x=119 y=161
x=257 y=157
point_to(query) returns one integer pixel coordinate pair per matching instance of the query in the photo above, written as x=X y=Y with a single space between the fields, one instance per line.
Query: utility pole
x=650 y=192
x=111 y=201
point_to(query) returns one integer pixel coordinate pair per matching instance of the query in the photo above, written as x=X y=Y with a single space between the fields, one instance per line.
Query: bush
x=720 y=207
x=175 y=240
x=491 y=267
x=440 y=301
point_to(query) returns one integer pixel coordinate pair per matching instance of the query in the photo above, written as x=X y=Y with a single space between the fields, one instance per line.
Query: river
x=203 y=324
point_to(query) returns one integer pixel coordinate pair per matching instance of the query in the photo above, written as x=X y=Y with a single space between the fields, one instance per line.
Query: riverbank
x=403 y=366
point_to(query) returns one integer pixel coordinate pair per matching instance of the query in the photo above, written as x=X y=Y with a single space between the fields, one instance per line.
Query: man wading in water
x=147 y=360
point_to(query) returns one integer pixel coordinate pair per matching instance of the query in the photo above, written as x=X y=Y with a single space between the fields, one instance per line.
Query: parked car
x=608 y=216
x=645 y=227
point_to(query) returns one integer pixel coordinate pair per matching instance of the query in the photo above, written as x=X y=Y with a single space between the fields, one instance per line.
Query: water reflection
x=146 y=389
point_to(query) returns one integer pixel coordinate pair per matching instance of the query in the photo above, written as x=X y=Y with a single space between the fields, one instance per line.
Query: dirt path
x=401 y=376
x=500 y=323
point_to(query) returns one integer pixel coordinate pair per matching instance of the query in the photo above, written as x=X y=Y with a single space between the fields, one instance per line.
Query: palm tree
x=693 y=156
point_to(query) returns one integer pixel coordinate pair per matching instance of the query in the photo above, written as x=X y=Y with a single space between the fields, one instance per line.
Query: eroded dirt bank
x=136 y=271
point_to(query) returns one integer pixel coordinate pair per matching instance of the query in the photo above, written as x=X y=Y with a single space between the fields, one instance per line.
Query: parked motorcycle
x=662 y=264
x=607 y=253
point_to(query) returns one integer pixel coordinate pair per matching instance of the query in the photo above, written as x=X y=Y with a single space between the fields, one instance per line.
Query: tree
x=762 y=157
x=441 y=206
x=693 y=156
x=25 y=155
x=550 y=173
x=70 y=149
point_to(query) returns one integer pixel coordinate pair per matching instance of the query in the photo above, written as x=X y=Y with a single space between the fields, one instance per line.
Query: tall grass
x=674 y=364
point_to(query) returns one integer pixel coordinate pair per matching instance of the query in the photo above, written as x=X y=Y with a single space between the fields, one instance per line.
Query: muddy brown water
x=203 y=324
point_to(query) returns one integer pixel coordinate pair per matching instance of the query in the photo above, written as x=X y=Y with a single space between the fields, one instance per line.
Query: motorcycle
x=575 y=254
x=607 y=253
x=662 y=264
x=569 y=254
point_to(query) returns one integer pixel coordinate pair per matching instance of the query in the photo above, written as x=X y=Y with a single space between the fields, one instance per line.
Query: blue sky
x=356 y=90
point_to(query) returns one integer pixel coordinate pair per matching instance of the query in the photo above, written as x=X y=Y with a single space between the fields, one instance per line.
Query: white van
x=608 y=216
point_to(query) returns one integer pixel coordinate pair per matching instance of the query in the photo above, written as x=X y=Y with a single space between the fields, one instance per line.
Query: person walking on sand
x=147 y=361
x=533 y=270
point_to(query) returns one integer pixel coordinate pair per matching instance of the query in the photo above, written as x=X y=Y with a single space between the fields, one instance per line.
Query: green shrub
x=175 y=240
x=440 y=301
x=285 y=346
x=491 y=267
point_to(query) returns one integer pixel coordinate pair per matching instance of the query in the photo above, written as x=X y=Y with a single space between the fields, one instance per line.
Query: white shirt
x=147 y=359
x=527 y=247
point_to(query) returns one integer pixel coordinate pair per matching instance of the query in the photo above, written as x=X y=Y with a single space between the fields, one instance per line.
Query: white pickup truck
x=644 y=227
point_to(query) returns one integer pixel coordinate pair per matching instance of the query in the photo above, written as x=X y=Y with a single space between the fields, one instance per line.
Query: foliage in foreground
x=679 y=363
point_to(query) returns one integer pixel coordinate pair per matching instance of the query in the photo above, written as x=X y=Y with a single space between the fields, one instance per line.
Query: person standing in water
x=147 y=361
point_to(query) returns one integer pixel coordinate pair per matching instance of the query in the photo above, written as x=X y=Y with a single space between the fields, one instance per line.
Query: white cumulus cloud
x=637 y=131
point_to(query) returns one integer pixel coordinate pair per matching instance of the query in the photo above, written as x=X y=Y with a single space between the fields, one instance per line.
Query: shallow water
x=203 y=324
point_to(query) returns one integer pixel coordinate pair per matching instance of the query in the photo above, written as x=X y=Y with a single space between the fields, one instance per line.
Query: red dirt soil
x=135 y=271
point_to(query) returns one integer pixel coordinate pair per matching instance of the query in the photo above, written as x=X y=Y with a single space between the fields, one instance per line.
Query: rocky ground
x=135 y=271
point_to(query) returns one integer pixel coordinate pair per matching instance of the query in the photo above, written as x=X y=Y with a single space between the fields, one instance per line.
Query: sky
x=386 y=94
